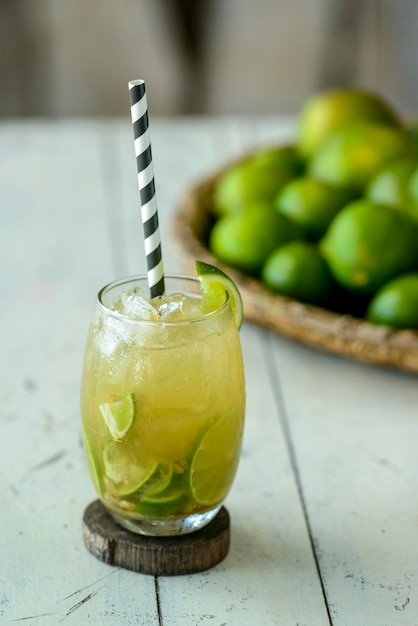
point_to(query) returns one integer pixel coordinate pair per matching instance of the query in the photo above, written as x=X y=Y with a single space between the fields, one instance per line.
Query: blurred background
x=75 y=57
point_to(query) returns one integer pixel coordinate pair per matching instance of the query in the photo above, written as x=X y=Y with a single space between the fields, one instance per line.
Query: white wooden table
x=324 y=509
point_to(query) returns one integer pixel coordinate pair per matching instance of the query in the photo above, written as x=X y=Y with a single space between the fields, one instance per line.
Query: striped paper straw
x=146 y=185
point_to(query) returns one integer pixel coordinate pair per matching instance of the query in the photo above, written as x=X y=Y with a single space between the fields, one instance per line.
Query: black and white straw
x=146 y=185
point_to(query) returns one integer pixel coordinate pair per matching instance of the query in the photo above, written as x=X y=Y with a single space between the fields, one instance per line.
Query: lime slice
x=168 y=497
x=124 y=470
x=158 y=481
x=212 y=465
x=168 y=501
x=92 y=464
x=172 y=502
x=215 y=283
x=119 y=416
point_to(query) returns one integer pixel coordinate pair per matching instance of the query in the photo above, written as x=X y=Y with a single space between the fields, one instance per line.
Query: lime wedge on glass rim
x=214 y=283
x=119 y=416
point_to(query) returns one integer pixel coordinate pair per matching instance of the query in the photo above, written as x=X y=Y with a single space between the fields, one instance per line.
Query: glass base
x=166 y=527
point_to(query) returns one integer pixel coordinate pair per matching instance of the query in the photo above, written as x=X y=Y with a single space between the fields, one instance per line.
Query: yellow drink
x=162 y=406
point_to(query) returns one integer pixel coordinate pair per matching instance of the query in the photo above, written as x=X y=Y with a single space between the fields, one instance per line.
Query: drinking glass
x=162 y=404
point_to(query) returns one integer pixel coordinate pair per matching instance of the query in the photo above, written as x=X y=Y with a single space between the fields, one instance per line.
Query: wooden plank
x=270 y=575
x=352 y=430
x=328 y=473
x=55 y=255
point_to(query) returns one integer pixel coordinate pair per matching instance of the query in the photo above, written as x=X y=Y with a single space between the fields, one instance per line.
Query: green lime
x=215 y=283
x=413 y=131
x=298 y=270
x=210 y=469
x=413 y=195
x=396 y=303
x=257 y=179
x=119 y=416
x=367 y=244
x=390 y=184
x=92 y=463
x=310 y=204
x=331 y=110
x=123 y=468
x=348 y=159
x=244 y=239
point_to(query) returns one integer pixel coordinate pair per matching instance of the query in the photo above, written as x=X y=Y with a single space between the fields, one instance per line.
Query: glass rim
x=143 y=277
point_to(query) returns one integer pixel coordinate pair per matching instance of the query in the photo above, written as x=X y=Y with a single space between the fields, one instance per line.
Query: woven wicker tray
x=341 y=334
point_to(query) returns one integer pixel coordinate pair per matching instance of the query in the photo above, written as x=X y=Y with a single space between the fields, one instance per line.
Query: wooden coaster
x=159 y=556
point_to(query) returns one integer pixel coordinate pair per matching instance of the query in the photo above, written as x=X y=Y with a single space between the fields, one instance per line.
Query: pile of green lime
x=332 y=219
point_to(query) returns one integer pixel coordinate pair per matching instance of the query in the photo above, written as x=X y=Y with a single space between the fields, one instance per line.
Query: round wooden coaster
x=159 y=556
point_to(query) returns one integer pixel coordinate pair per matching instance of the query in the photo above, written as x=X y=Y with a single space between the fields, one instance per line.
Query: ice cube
x=171 y=310
x=136 y=307
x=176 y=307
